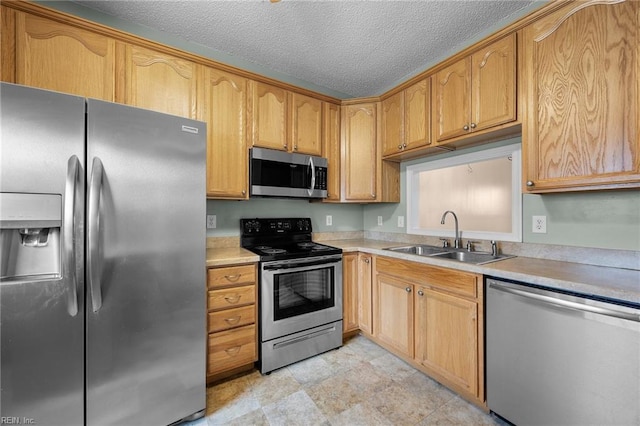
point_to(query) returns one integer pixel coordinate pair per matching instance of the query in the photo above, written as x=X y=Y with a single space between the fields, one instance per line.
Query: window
x=482 y=188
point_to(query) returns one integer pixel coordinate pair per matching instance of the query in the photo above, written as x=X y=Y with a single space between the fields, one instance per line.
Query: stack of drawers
x=232 y=313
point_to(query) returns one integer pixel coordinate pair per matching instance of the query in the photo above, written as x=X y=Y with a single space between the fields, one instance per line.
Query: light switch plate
x=400 y=221
x=379 y=220
x=539 y=224
x=329 y=220
x=211 y=221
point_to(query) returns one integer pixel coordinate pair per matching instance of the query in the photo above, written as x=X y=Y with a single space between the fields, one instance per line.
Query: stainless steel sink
x=458 y=255
x=421 y=250
x=478 y=258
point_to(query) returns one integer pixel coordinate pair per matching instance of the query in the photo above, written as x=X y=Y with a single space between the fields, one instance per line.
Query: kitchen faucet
x=457 y=241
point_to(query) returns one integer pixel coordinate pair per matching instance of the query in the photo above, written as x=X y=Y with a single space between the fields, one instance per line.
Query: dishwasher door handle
x=565 y=303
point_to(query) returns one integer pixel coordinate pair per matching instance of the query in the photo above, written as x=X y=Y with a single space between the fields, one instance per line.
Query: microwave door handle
x=313 y=176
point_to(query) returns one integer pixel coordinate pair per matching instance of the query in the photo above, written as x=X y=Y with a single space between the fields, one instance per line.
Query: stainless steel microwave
x=282 y=174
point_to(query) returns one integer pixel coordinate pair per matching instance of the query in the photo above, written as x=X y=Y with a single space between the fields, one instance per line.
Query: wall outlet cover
x=211 y=221
x=539 y=224
x=380 y=221
x=329 y=220
x=400 y=221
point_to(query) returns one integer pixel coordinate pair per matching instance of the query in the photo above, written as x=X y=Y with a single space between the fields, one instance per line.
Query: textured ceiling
x=358 y=48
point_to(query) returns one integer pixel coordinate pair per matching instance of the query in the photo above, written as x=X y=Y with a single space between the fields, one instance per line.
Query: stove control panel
x=275 y=226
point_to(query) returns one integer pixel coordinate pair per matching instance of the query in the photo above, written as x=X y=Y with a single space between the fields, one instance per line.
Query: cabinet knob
x=408 y=289
x=420 y=293
x=399 y=146
x=295 y=147
x=404 y=145
x=530 y=183
x=465 y=127
x=366 y=260
x=285 y=146
x=473 y=125
x=244 y=192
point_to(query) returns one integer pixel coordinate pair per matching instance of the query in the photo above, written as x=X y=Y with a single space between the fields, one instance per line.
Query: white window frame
x=412 y=183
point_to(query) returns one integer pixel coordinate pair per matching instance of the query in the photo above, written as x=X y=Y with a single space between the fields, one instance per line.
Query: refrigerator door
x=41 y=257
x=146 y=307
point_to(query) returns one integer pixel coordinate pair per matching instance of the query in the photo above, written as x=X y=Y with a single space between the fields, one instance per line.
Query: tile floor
x=358 y=384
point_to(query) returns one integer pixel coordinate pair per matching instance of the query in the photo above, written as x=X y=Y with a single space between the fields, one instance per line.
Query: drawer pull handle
x=233 y=351
x=233 y=321
x=233 y=299
x=234 y=277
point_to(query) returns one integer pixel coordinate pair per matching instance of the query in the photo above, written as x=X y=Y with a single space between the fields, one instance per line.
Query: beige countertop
x=226 y=256
x=615 y=283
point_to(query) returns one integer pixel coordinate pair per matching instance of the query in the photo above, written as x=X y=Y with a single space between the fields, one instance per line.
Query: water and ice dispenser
x=30 y=236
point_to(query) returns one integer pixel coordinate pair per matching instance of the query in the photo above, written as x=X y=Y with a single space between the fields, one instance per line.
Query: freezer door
x=145 y=266
x=41 y=256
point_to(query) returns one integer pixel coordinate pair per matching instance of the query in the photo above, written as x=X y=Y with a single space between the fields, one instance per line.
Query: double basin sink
x=459 y=255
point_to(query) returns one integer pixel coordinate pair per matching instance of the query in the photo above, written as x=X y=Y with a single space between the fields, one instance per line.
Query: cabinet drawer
x=230 y=318
x=450 y=280
x=230 y=349
x=232 y=297
x=232 y=275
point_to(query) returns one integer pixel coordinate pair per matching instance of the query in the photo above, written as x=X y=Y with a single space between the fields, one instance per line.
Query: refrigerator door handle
x=93 y=217
x=70 y=207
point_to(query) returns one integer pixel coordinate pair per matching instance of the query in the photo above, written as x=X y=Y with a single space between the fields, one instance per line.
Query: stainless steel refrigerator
x=102 y=239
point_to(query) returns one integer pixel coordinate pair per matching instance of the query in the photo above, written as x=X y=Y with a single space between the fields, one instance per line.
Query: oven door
x=299 y=294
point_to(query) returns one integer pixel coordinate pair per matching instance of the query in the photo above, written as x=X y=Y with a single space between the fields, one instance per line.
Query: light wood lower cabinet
x=393 y=313
x=231 y=320
x=357 y=293
x=432 y=318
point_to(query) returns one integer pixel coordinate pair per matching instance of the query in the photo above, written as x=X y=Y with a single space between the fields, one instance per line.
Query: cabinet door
x=60 y=57
x=452 y=100
x=360 y=161
x=394 y=313
x=365 y=293
x=446 y=334
x=493 y=83
x=417 y=115
x=224 y=108
x=393 y=124
x=349 y=292
x=306 y=125
x=581 y=72
x=268 y=108
x=331 y=149
x=159 y=82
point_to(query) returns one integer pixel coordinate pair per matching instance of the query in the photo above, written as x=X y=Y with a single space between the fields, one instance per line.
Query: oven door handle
x=299 y=265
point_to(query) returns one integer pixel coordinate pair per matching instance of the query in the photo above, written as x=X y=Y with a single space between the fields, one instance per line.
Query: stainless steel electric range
x=300 y=285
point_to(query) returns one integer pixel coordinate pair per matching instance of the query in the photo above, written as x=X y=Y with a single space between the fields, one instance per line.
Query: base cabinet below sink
x=432 y=317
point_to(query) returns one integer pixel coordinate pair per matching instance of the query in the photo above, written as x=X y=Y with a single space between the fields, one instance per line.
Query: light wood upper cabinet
x=306 y=125
x=581 y=68
x=223 y=106
x=393 y=319
x=447 y=336
x=55 y=56
x=268 y=116
x=331 y=149
x=417 y=115
x=477 y=92
x=159 y=82
x=360 y=168
x=393 y=139
x=406 y=119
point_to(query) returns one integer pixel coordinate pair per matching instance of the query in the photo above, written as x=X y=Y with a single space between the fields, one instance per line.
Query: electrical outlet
x=379 y=220
x=400 y=221
x=211 y=221
x=329 y=220
x=539 y=224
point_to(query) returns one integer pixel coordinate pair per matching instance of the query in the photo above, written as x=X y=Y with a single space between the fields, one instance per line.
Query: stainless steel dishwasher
x=561 y=359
